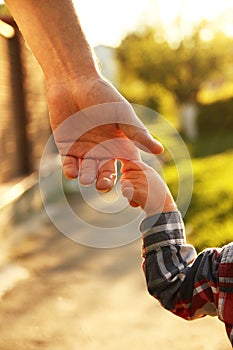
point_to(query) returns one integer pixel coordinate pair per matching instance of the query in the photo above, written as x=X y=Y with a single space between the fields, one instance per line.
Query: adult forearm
x=54 y=34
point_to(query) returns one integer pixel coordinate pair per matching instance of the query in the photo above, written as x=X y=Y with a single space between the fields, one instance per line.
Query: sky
x=107 y=22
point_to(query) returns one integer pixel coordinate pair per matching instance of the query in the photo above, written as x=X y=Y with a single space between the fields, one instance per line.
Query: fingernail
x=86 y=181
x=104 y=185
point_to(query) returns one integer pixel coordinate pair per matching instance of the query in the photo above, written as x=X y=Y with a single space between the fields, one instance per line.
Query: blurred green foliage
x=211 y=143
x=209 y=219
x=216 y=116
x=4 y=10
x=182 y=69
x=210 y=216
x=163 y=77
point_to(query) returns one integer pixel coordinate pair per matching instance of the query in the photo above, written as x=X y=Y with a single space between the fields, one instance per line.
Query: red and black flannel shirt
x=187 y=284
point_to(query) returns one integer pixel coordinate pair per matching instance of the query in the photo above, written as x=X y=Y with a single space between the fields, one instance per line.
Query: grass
x=209 y=220
x=210 y=144
x=210 y=216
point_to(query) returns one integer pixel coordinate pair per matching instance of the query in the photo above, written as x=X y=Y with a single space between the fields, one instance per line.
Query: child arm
x=187 y=284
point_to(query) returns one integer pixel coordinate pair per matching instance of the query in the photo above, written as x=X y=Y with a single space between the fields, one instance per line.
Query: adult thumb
x=142 y=138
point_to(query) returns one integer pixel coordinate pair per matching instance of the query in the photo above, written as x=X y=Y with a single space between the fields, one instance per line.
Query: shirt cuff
x=162 y=230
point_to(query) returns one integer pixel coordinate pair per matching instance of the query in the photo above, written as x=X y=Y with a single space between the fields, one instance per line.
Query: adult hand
x=91 y=140
x=73 y=84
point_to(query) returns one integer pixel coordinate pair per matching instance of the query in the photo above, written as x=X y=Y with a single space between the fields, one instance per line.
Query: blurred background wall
x=24 y=125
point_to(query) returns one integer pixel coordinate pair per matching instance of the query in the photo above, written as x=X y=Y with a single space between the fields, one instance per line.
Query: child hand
x=143 y=187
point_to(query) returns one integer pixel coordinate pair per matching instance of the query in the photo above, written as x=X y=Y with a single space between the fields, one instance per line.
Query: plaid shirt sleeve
x=187 y=284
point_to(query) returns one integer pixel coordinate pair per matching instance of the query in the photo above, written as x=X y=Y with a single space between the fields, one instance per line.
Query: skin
x=54 y=34
x=143 y=187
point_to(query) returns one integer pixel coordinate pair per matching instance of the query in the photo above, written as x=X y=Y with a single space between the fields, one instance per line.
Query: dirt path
x=85 y=298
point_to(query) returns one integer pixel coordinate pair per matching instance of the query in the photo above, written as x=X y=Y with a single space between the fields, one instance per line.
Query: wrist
x=70 y=66
x=169 y=205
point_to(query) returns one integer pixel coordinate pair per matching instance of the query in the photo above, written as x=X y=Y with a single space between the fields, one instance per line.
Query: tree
x=181 y=70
